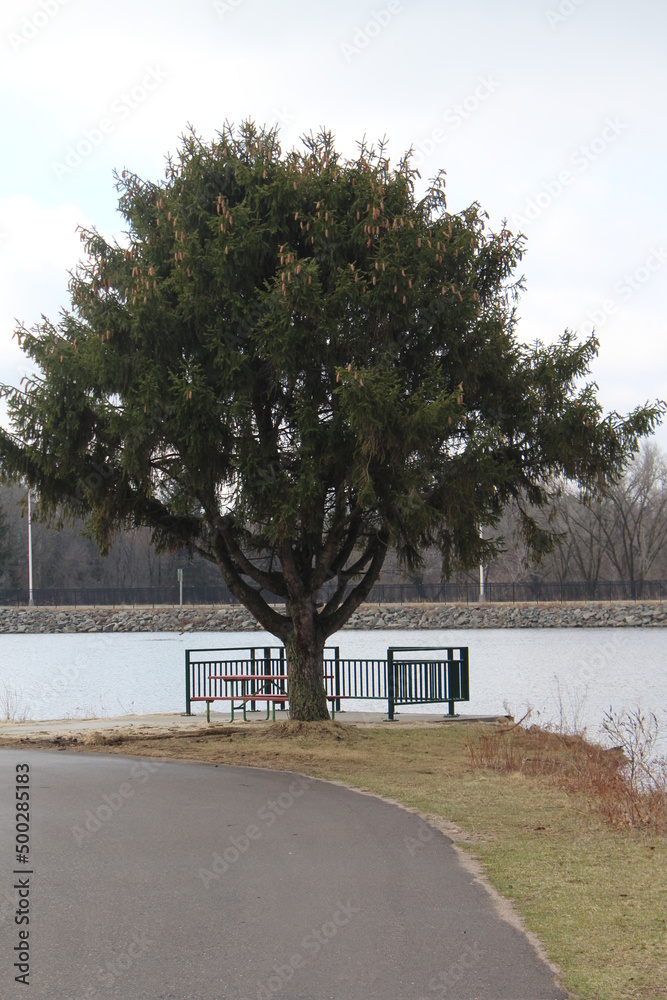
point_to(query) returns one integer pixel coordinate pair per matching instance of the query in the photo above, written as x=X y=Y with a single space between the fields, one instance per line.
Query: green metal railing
x=429 y=681
x=405 y=677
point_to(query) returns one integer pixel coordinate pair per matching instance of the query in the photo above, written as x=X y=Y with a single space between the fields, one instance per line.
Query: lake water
x=578 y=673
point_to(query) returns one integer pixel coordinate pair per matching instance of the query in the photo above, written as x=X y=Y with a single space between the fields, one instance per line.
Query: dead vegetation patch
x=626 y=782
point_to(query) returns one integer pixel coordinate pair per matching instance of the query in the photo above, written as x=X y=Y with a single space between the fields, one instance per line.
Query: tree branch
x=334 y=621
x=345 y=575
x=273 y=582
x=329 y=561
x=251 y=598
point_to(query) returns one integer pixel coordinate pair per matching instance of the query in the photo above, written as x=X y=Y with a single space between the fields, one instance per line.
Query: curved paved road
x=180 y=881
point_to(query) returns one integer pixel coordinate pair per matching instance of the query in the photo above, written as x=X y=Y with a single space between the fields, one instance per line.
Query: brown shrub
x=626 y=782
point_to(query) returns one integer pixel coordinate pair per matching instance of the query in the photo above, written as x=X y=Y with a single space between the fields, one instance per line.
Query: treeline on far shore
x=622 y=537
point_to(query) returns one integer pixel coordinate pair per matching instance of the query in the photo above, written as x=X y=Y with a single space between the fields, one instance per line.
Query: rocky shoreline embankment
x=234 y=618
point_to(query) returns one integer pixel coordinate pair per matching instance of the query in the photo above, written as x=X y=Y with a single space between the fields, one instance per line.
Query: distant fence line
x=532 y=591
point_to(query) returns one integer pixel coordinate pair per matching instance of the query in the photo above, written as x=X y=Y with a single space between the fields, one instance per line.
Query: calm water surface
x=579 y=673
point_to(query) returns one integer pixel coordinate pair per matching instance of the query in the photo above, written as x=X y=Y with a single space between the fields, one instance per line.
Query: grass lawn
x=594 y=894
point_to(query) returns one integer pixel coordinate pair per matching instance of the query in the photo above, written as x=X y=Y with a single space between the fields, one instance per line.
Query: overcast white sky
x=550 y=113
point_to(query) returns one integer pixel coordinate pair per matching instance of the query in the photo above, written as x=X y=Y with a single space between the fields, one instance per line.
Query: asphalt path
x=152 y=880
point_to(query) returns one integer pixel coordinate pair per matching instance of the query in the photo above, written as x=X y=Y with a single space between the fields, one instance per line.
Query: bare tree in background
x=634 y=517
x=8 y=557
x=581 y=554
x=622 y=536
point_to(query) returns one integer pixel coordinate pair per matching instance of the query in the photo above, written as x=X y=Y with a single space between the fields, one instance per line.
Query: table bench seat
x=243 y=696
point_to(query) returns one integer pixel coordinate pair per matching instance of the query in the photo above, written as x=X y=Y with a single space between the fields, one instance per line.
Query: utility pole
x=31 y=600
x=481 y=568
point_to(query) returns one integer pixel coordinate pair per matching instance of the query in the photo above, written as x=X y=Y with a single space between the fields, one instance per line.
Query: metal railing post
x=253 y=704
x=390 y=685
x=283 y=684
x=252 y=674
x=450 y=694
x=337 y=675
x=464 y=692
x=187 y=682
x=272 y=687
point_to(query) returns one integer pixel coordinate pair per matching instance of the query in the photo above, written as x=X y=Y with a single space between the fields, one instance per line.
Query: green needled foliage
x=291 y=364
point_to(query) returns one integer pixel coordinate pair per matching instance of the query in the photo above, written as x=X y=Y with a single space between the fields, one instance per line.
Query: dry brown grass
x=623 y=782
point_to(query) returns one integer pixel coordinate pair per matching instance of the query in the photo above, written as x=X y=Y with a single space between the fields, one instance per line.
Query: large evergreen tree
x=292 y=364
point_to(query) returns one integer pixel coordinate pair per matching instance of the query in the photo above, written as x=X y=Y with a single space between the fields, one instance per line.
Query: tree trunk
x=304 y=647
